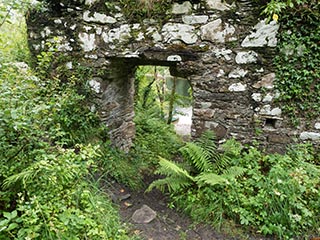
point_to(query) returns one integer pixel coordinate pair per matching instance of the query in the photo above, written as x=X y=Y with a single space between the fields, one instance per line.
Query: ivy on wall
x=298 y=62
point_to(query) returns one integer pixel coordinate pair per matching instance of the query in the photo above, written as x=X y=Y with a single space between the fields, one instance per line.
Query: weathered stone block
x=216 y=31
x=177 y=31
x=313 y=136
x=279 y=138
x=266 y=81
x=246 y=57
x=237 y=87
x=183 y=8
x=217 y=5
x=195 y=19
x=264 y=35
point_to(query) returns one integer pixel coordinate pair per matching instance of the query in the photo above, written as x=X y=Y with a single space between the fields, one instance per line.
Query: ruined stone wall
x=224 y=50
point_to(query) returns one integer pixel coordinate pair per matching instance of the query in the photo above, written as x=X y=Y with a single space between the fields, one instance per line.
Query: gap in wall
x=154 y=89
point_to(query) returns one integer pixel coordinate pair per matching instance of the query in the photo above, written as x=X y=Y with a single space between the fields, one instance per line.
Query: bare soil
x=169 y=223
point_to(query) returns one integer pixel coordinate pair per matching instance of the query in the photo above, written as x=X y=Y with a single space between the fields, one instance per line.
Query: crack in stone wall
x=224 y=50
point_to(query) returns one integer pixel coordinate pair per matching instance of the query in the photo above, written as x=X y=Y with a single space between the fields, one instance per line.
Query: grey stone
x=144 y=215
x=237 y=87
x=237 y=73
x=90 y=2
x=178 y=31
x=267 y=98
x=246 y=57
x=313 y=136
x=183 y=8
x=98 y=18
x=174 y=58
x=194 y=19
x=266 y=81
x=217 y=5
x=216 y=31
x=256 y=97
x=95 y=84
x=264 y=35
x=120 y=34
x=223 y=53
x=267 y=110
x=87 y=41
x=317 y=125
x=154 y=34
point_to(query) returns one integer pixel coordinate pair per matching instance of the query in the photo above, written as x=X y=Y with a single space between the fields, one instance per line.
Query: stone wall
x=224 y=50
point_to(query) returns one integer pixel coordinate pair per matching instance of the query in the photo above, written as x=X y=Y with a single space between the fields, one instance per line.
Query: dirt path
x=168 y=224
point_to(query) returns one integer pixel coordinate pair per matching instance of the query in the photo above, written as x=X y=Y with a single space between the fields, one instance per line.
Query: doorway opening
x=166 y=96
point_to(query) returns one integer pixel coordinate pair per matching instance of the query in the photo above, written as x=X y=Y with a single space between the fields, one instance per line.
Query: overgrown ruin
x=223 y=48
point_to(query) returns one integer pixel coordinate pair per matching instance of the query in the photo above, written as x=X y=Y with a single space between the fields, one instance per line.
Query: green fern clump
x=202 y=167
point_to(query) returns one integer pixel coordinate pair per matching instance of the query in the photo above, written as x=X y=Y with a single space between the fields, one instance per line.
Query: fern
x=173 y=184
x=212 y=168
x=199 y=156
x=176 y=177
x=210 y=178
x=234 y=172
x=169 y=168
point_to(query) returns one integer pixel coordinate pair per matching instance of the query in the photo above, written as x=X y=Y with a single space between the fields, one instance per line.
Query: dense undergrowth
x=53 y=148
x=274 y=195
x=49 y=149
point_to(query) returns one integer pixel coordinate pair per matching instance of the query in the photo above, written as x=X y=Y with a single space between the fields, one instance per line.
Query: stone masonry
x=223 y=49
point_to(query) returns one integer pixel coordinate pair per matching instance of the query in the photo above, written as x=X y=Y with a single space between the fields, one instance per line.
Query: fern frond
x=24 y=176
x=169 y=168
x=222 y=163
x=211 y=179
x=173 y=184
x=200 y=157
x=233 y=172
x=207 y=140
x=214 y=179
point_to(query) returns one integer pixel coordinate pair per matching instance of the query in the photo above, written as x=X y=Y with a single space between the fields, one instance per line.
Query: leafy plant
x=203 y=163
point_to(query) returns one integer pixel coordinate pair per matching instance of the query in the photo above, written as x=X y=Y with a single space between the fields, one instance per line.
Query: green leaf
x=12 y=226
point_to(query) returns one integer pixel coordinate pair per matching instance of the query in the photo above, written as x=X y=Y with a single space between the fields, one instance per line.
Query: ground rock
x=144 y=215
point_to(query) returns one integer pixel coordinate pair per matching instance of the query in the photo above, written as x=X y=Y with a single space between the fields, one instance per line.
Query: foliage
x=139 y=10
x=13 y=43
x=45 y=158
x=9 y=9
x=270 y=194
x=200 y=169
x=274 y=8
x=298 y=62
x=154 y=137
